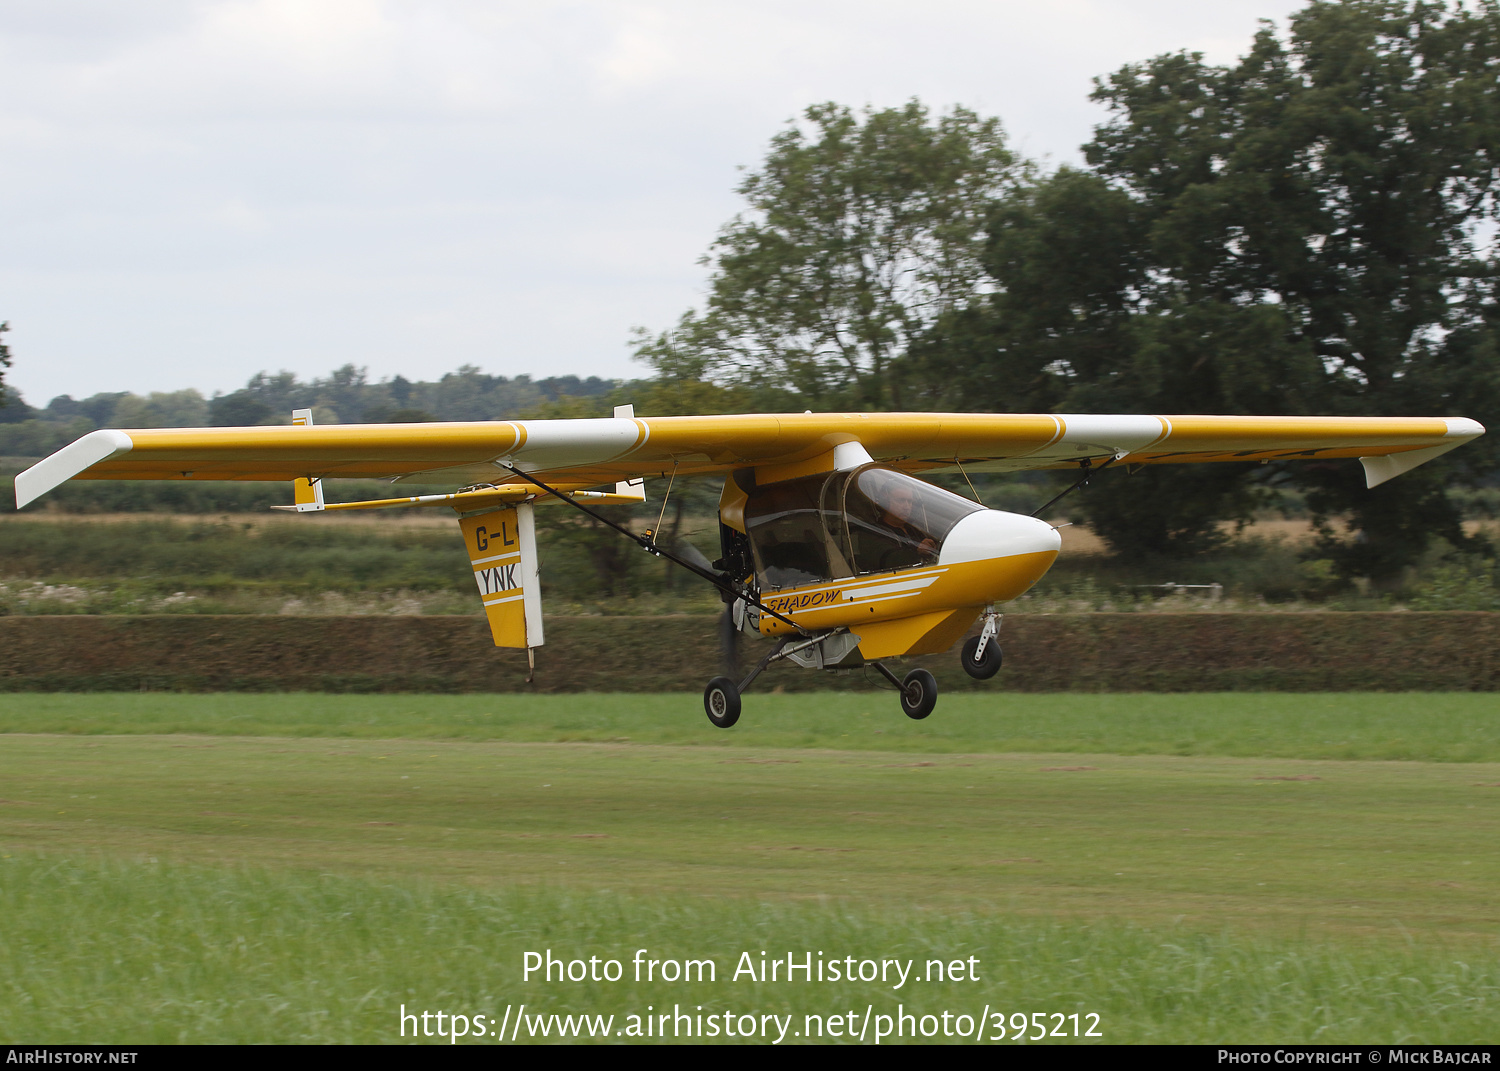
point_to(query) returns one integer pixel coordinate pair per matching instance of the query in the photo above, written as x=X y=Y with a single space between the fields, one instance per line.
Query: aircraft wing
x=608 y=450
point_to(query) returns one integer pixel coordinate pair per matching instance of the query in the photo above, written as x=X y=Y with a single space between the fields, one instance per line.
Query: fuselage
x=904 y=564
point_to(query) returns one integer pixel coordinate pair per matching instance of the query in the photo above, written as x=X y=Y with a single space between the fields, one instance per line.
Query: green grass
x=1276 y=845
x=145 y=952
x=1193 y=868
x=1435 y=727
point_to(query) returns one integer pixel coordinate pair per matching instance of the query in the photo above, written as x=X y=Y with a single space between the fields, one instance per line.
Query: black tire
x=987 y=666
x=918 y=694
x=721 y=702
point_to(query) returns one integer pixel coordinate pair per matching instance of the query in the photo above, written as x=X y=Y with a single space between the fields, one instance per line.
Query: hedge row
x=1083 y=652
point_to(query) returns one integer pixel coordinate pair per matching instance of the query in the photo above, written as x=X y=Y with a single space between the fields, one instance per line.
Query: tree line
x=345 y=395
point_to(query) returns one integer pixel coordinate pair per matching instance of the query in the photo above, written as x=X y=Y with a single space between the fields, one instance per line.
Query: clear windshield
x=896 y=521
x=839 y=524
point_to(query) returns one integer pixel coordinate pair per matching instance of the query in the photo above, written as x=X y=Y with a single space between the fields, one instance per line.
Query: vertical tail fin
x=307 y=494
x=630 y=488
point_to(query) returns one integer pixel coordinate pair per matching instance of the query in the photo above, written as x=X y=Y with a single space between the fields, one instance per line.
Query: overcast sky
x=192 y=191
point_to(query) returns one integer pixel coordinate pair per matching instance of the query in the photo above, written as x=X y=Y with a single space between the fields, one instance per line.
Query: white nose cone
x=993 y=534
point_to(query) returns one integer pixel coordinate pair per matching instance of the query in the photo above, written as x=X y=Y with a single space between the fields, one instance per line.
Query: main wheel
x=984 y=667
x=721 y=701
x=918 y=694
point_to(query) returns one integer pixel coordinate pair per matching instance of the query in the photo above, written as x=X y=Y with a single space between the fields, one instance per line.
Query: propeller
x=729 y=636
x=690 y=553
x=729 y=642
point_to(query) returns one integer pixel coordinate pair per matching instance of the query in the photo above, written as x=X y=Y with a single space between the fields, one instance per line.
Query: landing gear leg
x=980 y=655
x=918 y=691
x=721 y=699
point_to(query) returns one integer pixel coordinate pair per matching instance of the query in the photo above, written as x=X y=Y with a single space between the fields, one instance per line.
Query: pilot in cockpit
x=900 y=515
x=903 y=539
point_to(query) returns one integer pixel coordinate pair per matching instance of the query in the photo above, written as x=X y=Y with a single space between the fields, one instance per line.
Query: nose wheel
x=980 y=663
x=980 y=655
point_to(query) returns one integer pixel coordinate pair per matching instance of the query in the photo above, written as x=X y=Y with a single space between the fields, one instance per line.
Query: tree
x=862 y=232
x=239 y=410
x=4 y=361
x=380 y=414
x=1309 y=230
x=170 y=409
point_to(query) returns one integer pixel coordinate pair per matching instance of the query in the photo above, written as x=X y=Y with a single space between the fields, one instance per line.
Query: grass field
x=146 y=952
x=1434 y=727
x=1190 y=867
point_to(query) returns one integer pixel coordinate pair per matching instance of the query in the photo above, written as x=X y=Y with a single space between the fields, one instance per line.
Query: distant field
x=1206 y=868
x=412 y=561
x=1427 y=726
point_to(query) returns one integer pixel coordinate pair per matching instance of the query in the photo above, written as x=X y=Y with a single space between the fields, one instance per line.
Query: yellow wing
x=590 y=453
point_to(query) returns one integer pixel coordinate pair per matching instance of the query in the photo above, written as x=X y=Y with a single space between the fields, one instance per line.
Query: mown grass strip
x=1371 y=850
x=1420 y=726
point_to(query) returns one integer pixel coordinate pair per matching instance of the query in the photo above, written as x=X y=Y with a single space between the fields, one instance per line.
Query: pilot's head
x=900 y=500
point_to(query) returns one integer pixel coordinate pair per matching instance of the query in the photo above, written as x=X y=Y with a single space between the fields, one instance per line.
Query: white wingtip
x=1380 y=469
x=68 y=462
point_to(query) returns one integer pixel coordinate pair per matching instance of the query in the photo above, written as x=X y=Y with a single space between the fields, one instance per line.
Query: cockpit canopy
x=871 y=519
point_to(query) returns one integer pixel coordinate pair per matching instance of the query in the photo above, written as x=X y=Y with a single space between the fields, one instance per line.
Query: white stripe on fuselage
x=855 y=594
x=854 y=589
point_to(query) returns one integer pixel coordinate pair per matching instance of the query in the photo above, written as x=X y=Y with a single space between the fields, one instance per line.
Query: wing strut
x=648 y=543
x=1088 y=473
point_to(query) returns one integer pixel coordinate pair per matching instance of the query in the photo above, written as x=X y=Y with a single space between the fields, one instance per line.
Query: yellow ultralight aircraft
x=829 y=542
